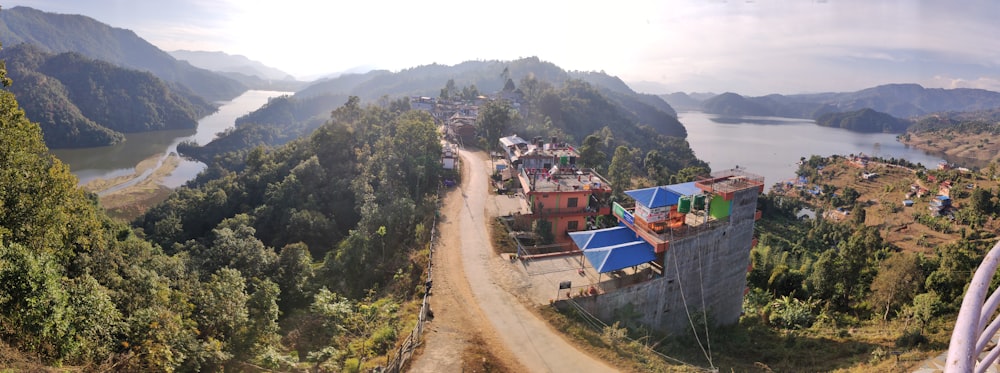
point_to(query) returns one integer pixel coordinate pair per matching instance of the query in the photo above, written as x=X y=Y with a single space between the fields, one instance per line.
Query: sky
x=752 y=47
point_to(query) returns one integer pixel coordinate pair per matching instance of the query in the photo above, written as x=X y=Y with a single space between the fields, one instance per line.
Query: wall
x=709 y=268
x=555 y=202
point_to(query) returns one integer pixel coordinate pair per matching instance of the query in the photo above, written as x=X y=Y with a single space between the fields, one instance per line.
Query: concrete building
x=555 y=188
x=680 y=249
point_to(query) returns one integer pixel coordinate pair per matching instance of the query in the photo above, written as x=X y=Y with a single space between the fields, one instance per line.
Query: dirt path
x=472 y=310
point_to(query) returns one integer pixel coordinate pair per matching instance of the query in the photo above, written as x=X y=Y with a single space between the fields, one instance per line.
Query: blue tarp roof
x=654 y=197
x=612 y=249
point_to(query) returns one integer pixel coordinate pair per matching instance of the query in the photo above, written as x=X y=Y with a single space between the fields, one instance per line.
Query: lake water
x=771 y=146
x=120 y=160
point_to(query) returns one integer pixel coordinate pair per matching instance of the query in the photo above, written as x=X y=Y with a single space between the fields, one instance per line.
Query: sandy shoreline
x=130 y=202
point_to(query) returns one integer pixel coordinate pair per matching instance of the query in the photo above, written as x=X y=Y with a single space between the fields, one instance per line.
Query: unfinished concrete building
x=680 y=250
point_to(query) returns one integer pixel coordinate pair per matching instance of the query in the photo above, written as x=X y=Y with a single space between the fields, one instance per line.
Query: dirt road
x=471 y=307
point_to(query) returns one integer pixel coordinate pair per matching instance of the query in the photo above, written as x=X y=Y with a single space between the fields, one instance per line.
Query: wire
x=588 y=316
x=704 y=310
x=688 y=312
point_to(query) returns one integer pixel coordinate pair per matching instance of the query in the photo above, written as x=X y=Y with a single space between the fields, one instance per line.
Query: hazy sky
x=751 y=47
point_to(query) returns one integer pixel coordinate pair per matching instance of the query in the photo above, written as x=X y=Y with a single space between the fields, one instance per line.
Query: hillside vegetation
x=308 y=257
x=864 y=120
x=554 y=104
x=79 y=102
x=59 y=33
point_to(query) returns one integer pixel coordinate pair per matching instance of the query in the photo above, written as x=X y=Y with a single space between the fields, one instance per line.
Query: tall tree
x=898 y=280
x=591 y=153
x=494 y=121
x=620 y=172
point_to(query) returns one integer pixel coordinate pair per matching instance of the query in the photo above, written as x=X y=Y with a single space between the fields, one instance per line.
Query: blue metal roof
x=612 y=249
x=684 y=189
x=654 y=197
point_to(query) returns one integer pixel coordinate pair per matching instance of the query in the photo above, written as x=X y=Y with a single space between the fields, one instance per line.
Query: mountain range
x=898 y=100
x=58 y=33
x=80 y=102
x=253 y=74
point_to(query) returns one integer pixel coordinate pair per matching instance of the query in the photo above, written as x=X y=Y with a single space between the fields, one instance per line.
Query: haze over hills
x=899 y=100
x=57 y=33
x=221 y=61
x=252 y=74
x=80 y=102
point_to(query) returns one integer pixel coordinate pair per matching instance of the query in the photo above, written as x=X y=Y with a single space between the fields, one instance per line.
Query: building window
x=572 y=202
x=573 y=225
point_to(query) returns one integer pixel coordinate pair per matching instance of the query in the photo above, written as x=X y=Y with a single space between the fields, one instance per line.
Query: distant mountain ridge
x=222 y=61
x=898 y=100
x=253 y=74
x=58 y=33
x=80 y=102
x=569 y=105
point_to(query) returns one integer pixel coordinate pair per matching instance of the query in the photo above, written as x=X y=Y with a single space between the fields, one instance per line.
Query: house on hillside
x=678 y=248
x=555 y=189
x=461 y=127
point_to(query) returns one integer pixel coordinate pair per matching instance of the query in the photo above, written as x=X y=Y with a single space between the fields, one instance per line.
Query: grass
x=502 y=243
x=752 y=346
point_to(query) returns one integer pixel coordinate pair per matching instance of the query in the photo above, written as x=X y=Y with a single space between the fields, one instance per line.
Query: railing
x=405 y=351
x=974 y=328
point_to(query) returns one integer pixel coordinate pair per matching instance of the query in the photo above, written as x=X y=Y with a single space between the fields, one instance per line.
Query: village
x=916 y=207
x=661 y=251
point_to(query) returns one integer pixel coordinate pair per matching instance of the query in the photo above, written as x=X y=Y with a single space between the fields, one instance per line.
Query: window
x=572 y=202
x=573 y=225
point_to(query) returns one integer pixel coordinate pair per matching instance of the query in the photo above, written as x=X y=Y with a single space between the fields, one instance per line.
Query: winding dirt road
x=471 y=308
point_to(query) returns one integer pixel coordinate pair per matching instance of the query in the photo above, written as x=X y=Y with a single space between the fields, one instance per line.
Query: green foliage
x=591 y=153
x=543 y=228
x=864 y=120
x=77 y=100
x=792 y=313
x=35 y=307
x=495 y=120
x=60 y=33
x=621 y=170
x=899 y=279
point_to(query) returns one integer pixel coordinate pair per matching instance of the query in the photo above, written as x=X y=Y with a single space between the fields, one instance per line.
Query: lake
x=120 y=160
x=771 y=146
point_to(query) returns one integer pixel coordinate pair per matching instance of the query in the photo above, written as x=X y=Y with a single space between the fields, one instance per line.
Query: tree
x=898 y=280
x=620 y=171
x=981 y=201
x=293 y=275
x=494 y=120
x=591 y=154
x=653 y=165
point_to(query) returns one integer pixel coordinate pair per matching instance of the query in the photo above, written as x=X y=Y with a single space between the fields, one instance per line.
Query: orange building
x=555 y=188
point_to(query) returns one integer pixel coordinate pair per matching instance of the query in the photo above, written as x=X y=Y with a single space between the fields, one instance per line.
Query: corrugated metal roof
x=654 y=197
x=612 y=249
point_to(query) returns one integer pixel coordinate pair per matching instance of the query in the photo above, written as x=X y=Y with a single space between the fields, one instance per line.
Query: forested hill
x=322 y=234
x=864 y=120
x=568 y=105
x=58 y=33
x=79 y=102
x=898 y=100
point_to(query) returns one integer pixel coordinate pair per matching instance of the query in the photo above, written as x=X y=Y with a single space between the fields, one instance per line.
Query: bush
x=383 y=339
x=911 y=338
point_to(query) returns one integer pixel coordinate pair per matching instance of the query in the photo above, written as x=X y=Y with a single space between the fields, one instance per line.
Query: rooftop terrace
x=563 y=180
